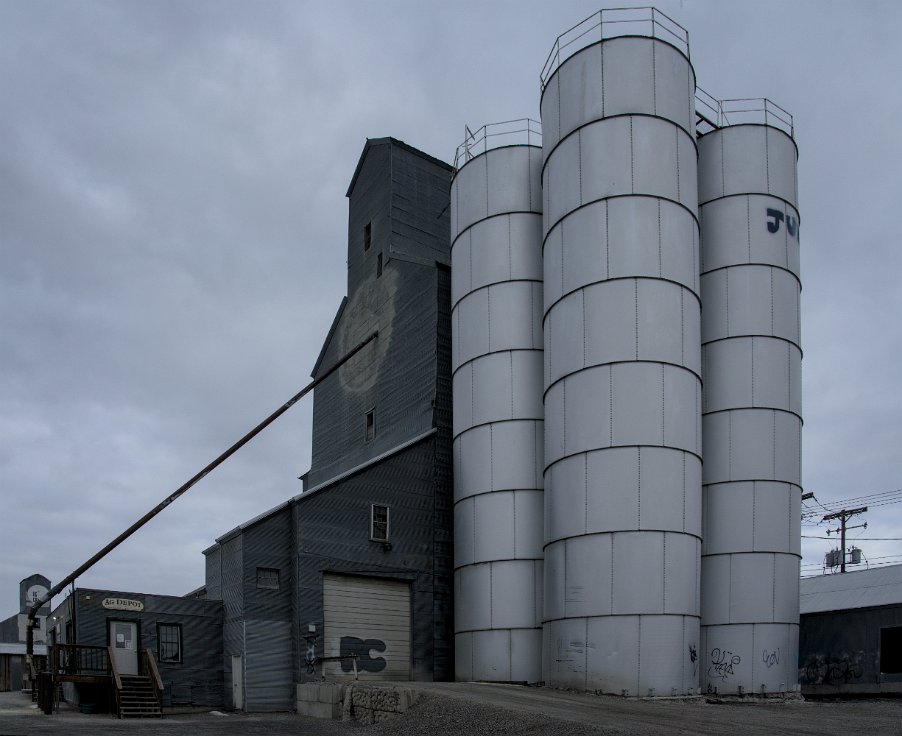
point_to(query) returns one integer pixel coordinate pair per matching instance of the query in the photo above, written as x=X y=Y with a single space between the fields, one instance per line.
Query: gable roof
x=388 y=140
x=881 y=586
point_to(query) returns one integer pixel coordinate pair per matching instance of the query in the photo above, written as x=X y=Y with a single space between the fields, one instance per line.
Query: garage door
x=369 y=617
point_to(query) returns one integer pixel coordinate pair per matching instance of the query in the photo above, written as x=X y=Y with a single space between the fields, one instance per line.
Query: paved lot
x=475 y=709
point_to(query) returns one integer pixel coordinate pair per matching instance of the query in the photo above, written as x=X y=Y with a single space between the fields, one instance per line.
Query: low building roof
x=39 y=649
x=881 y=586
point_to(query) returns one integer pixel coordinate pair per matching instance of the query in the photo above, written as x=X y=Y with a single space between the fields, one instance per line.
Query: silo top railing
x=713 y=114
x=524 y=131
x=610 y=23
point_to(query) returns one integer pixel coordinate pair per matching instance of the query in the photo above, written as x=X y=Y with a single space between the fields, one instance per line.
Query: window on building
x=367 y=236
x=369 y=427
x=379 y=525
x=268 y=577
x=891 y=649
x=379 y=266
x=169 y=642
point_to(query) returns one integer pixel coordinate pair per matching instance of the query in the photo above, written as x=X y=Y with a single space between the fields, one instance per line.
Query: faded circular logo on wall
x=371 y=307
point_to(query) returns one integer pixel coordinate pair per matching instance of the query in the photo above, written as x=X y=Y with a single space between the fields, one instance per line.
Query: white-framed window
x=379 y=523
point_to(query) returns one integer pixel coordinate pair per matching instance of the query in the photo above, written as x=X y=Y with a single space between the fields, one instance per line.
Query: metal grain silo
x=496 y=275
x=622 y=358
x=752 y=400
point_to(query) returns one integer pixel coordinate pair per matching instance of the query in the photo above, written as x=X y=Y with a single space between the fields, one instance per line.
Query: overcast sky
x=173 y=232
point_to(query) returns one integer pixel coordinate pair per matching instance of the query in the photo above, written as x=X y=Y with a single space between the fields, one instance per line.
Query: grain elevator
x=627 y=365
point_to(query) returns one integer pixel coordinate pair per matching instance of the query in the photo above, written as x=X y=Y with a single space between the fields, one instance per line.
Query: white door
x=124 y=640
x=237 y=683
x=369 y=617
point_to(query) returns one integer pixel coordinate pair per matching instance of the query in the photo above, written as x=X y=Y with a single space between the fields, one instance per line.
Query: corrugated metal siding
x=333 y=536
x=269 y=681
x=881 y=586
x=233 y=577
x=843 y=648
x=198 y=678
x=213 y=574
x=369 y=617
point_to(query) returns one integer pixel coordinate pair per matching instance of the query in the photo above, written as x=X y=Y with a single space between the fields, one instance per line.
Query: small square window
x=369 y=430
x=379 y=523
x=169 y=642
x=379 y=266
x=268 y=577
x=367 y=236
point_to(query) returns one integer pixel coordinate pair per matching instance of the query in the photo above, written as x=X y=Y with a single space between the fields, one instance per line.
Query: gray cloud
x=173 y=235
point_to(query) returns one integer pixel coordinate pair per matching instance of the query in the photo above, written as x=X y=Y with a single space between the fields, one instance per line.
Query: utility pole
x=843 y=517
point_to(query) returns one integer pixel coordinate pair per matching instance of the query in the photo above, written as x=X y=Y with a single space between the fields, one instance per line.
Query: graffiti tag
x=773 y=226
x=771 y=658
x=828 y=670
x=722 y=664
x=362 y=647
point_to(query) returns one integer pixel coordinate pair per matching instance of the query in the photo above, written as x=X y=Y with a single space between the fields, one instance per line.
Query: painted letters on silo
x=496 y=231
x=751 y=407
x=622 y=366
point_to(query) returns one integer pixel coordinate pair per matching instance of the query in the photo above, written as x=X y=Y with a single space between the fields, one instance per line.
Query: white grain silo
x=496 y=273
x=752 y=400
x=622 y=358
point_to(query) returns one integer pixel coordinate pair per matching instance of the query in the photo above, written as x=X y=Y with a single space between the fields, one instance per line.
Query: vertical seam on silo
x=579 y=161
x=632 y=161
x=664 y=576
x=473 y=513
x=491 y=596
x=607 y=241
x=774 y=435
x=753 y=369
x=611 y=577
x=676 y=132
x=771 y=301
x=586 y=493
x=610 y=405
x=748 y=224
x=472 y=392
x=486 y=186
x=564 y=404
x=558 y=81
x=638 y=488
x=601 y=54
x=511 y=356
x=684 y=491
x=488 y=311
x=723 y=175
x=636 y=314
x=660 y=248
x=767 y=158
x=730 y=445
x=789 y=376
x=491 y=457
x=726 y=284
x=586 y=655
x=514 y=499
x=773 y=612
x=639 y=657
x=470 y=264
x=663 y=405
x=682 y=328
x=582 y=299
x=754 y=512
x=654 y=78
x=510 y=248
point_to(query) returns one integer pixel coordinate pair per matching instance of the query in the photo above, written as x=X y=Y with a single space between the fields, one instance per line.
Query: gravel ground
x=476 y=710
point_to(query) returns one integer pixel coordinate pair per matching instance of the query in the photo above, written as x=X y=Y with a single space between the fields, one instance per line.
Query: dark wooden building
x=360 y=563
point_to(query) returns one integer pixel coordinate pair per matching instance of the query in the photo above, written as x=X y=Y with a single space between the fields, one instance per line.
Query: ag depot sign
x=122 y=604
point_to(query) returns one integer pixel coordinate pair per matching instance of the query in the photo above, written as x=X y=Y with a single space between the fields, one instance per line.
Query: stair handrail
x=154 y=674
x=115 y=679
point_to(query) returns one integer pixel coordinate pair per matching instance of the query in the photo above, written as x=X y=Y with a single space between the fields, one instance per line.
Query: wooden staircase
x=137 y=698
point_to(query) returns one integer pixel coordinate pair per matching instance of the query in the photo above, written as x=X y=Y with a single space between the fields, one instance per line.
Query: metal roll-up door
x=369 y=617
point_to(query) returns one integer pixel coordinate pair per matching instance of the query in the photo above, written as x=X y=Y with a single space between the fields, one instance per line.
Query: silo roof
x=881 y=586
